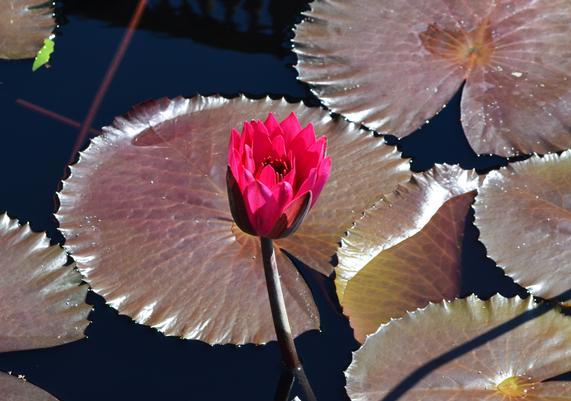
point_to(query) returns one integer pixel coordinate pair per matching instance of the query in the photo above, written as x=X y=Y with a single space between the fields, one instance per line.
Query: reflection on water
x=243 y=25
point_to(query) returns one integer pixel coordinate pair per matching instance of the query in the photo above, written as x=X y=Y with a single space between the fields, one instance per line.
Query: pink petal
x=248 y=159
x=234 y=161
x=319 y=147
x=308 y=184
x=290 y=127
x=262 y=208
x=237 y=204
x=271 y=123
x=290 y=177
x=273 y=126
x=323 y=172
x=291 y=217
x=242 y=176
x=283 y=194
x=278 y=146
x=304 y=163
x=267 y=176
x=257 y=125
x=262 y=145
x=234 y=141
x=247 y=135
x=246 y=178
x=303 y=140
x=257 y=195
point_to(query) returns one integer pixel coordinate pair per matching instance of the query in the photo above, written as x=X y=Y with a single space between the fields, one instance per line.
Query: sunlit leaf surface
x=42 y=303
x=145 y=215
x=24 y=24
x=392 y=65
x=405 y=251
x=15 y=389
x=523 y=213
x=467 y=350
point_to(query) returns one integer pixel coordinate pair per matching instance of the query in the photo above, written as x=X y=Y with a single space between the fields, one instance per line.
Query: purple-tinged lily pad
x=392 y=65
x=24 y=24
x=17 y=389
x=42 y=301
x=145 y=215
x=406 y=250
x=509 y=351
x=523 y=212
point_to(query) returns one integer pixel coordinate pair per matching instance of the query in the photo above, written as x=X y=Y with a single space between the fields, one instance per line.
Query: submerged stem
x=279 y=315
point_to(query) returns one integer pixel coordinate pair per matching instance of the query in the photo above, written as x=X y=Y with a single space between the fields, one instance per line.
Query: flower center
x=281 y=166
x=516 y=387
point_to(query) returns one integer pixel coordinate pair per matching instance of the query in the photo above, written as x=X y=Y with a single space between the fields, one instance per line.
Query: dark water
x=181 y=48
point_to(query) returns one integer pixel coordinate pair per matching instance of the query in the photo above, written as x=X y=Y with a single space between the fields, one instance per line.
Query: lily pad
x=394 y=65
x=145 y=215
x=16 y=389
x=24 y=24
x=467 y=350
x=523 y=212
x=42 y=303
x=406 y=250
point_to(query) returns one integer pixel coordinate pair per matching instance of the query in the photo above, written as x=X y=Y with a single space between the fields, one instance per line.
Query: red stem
x=117 y=58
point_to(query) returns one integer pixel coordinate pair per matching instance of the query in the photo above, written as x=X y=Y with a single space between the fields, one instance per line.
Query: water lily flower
x=276 y=172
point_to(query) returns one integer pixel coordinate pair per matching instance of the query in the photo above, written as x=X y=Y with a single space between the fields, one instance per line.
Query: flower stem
x=284 y=386
x=279 y=315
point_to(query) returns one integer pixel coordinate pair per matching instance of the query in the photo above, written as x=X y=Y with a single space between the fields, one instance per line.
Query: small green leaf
x=43 y=56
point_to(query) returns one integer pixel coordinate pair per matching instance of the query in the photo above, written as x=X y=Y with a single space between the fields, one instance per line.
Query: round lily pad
x=145 y=215
x=42 y=301
x=466 y=350
x=393 y=65
x=523 y=212
x=406 y=250
x=17 y=389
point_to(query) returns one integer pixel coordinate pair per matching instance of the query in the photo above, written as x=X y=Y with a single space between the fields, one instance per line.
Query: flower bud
x=276 y=172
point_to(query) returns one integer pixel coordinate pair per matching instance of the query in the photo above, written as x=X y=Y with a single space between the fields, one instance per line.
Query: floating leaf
x=145 y=214
x=43 y=56
x=523 y=212
x=16 y=389
x=24 y=25
x=406 y=250
x=393 y=65
x=41 y=299
x=510 y=348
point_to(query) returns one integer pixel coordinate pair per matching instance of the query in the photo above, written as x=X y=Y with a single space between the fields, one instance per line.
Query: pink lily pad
x=145 y=215
x=16 y=389
x=406 y=250
x=523 y=212
x=513 y=366
x=24 y=24
x=393 y=65
x=42 y=301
